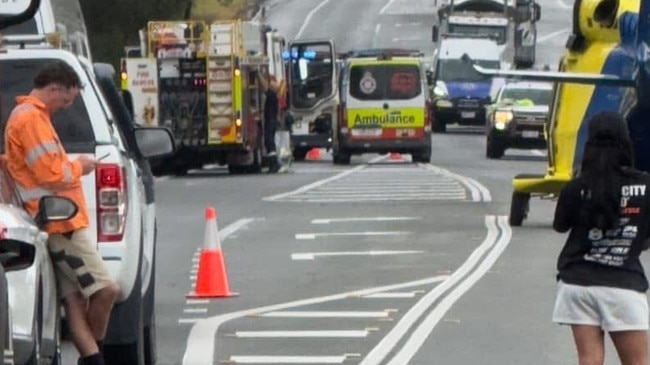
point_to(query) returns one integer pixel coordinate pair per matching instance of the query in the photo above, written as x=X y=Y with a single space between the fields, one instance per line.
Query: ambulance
x=385 y=107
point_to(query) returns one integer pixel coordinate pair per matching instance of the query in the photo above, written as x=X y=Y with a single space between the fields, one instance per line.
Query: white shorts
x=612 y=309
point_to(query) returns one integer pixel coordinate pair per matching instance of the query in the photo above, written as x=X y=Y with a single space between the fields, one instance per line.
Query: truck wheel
x=422 y=156
x=340 y=158
x=494 y=149
x=519 y=206
x=299 y=154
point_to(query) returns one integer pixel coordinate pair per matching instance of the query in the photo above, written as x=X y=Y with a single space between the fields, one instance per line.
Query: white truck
x=512 y=23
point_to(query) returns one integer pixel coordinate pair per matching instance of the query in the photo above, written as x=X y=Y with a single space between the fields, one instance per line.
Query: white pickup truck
x=98 y=124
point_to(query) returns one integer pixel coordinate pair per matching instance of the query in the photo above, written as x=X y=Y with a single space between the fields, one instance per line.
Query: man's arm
x=41 y=153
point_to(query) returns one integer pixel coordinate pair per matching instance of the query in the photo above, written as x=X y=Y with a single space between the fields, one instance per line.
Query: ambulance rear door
x=386 y=100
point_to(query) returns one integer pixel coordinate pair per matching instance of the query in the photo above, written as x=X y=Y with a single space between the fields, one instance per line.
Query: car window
x=27 y=27
x=537 y=96
x=73 y=124
x=385 y=82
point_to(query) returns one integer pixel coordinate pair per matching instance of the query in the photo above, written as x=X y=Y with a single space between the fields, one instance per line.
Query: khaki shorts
x=77 y=264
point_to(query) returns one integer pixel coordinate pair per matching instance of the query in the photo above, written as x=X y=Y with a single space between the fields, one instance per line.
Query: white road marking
x=195 y=310
x=326 y=314
x=360 y=219
x=196 y=301
x=376 y=34
x=188 y=320
x=300 y=334
x=396 y=295
x=418 y=337
x=309 y=16
x=287 y=359
x=201 y=340
x=538 y=153
x=550 y=36
x=479 y=191
x=322 y=182
x=311 y=236
x=313 y=255
x=397 y=333
x=407 y=39
x=388 y=4
x=411 y=24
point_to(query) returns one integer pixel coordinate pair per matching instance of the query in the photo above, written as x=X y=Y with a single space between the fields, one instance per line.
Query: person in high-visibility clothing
x=40 y=166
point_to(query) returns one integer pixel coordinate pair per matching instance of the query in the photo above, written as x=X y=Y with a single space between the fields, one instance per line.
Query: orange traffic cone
x=395 y=156
x=313 y=154
x=211 y=280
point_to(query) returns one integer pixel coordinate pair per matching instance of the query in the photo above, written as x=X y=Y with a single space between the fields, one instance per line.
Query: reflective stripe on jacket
x=38 y=163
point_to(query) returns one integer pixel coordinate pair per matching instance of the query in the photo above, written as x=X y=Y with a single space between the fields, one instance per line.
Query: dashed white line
x=287 y=359
x=564 y=5
x=309 y=16
x=301 y=334
x=361 y=219
x=391 y=295
x=196 y=301
x=311 y=236
x=326 y=314
x=388 y=4
x=314 y=255
x=195 y=310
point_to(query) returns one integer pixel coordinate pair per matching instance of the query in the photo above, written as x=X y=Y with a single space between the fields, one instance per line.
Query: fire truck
x=202 y=80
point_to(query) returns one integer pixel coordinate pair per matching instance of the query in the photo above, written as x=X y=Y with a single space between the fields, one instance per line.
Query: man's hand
x=87 y=164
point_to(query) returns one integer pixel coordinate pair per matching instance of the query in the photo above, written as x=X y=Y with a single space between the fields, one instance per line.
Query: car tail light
x=111 y=202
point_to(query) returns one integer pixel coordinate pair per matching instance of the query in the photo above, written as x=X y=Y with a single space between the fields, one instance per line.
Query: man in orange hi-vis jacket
x=38 y=163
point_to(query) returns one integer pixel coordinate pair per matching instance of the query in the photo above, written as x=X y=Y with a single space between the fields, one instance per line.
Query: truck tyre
x=423 y=156
x=519 y=206
x=340 y=158
x=300 y=153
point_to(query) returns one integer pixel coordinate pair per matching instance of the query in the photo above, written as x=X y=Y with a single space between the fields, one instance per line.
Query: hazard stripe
x=42 y=149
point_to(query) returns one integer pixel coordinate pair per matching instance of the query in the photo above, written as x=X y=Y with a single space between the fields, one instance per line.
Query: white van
x=461 y=93
x=385 y=107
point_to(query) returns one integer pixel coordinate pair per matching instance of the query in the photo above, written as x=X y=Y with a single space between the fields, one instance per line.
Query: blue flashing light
x=308 y=55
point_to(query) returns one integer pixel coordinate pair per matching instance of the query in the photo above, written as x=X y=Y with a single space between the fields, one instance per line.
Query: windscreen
x=537 y=96
x=456 y=70
x=312 y=70
x=72 y=124
x=385 y=82
x=497 y=32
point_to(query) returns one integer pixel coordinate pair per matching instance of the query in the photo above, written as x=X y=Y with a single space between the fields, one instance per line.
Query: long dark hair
x=607 y=155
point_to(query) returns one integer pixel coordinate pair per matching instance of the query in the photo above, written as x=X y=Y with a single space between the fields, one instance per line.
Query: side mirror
x=154 y=141
x=54 y=208
x=430 y=79
x=538 y=11
x=435 y=34
x=16 y=255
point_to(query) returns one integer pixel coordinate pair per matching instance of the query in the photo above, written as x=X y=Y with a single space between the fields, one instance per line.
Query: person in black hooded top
x=601 y=282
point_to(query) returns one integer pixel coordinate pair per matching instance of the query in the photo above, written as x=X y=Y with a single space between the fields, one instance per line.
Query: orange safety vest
x=39 y=165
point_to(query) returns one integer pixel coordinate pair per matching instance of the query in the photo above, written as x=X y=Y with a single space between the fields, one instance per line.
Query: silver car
x=33 y=301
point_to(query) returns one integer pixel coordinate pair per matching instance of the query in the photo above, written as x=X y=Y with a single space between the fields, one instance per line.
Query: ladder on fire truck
x=223 y=104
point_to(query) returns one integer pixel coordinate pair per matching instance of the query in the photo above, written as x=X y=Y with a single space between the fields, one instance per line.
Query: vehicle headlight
x=502 y=116
x=438 y=91
x=444 y=103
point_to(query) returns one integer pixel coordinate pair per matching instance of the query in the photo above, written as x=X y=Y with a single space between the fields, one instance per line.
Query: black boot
x=95 y=359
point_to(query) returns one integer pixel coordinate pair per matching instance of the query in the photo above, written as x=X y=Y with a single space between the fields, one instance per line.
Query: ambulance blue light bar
x=309 y=55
